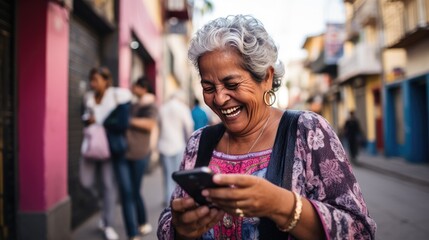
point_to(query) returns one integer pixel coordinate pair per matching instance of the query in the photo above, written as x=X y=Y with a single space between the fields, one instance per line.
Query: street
x=399 y=207
x=152 y=193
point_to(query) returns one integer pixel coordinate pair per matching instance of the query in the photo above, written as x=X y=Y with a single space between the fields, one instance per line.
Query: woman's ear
x=269 y=78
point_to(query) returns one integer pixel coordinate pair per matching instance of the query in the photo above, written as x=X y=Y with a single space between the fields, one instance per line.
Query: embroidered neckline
x=241 y=156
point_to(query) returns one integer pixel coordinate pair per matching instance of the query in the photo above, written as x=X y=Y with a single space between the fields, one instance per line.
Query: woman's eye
x=231 y=86
x=208 y=89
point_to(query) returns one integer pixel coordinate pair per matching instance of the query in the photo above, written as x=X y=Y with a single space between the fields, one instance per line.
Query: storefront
x=407 y=119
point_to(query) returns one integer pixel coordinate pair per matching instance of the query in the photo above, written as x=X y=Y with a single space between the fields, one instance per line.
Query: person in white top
x=176 y=126
x=98 y=104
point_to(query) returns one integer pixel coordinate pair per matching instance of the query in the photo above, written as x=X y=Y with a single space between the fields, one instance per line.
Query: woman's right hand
x=91 y=120
x=191 y=221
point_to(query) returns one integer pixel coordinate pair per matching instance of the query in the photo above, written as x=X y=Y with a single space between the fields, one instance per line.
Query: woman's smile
x=231 y=112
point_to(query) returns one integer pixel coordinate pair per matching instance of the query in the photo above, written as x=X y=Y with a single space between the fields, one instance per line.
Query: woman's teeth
x=231 y=112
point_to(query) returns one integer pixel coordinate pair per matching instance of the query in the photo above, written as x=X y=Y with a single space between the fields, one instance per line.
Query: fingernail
x=204 y=210
x=216 y=178
x=205 y=193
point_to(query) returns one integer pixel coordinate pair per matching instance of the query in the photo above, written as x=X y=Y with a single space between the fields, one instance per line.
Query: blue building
x=406 y=85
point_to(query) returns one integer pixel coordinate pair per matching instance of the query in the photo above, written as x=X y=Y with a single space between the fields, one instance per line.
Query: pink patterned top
x=233 y=227
x=321 y=173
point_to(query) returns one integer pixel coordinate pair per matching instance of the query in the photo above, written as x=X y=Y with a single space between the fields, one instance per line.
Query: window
x=411 y=15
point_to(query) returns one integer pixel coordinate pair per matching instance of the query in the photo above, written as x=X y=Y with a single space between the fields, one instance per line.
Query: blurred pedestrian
x=129 y=170
x=199 y=115
x=100 y=104
x=353 y=134
x=176 y=126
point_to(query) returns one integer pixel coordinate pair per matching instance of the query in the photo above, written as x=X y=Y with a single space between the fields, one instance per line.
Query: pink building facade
x=45 y=79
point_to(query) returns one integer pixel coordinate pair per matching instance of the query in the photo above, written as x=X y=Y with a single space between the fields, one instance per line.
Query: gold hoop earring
x=271 y=97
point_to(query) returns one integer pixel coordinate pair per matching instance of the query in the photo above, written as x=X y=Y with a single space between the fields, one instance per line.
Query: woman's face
x=138 y=91
x=98 y=83
x=230 y=91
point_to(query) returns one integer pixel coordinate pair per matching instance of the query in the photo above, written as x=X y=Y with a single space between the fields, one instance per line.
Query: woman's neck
x=147 y=98
x=99 y=96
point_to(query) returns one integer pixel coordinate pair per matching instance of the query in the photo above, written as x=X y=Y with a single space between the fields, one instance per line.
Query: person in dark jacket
x=352 y=132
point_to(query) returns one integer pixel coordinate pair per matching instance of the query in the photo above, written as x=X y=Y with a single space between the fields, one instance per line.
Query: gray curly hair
x=245 y=34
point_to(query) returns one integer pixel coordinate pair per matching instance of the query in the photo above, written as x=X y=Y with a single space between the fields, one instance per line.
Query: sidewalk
x=152 y=193
x=397 y=167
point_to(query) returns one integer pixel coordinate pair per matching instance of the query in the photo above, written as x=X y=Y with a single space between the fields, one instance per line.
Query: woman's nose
x=221 y=96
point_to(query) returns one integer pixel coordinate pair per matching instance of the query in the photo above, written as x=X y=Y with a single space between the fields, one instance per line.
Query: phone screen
x=193 y=181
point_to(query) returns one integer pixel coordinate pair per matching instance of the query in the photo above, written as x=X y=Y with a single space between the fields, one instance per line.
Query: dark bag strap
x=279 y=169
x=210 y=136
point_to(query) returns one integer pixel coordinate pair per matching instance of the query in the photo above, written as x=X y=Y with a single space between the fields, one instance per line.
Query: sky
x=288 y=21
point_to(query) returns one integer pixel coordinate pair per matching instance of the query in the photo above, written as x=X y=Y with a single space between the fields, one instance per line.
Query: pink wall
x=42 y=112
x=133 y=17
x=56 y=162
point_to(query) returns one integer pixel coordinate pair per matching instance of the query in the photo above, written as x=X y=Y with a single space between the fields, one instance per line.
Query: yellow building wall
x=347 y=104
x=393 y=58
x=418 y=59
x=373 y=82
x=349 y=98
x=342 y=114
x=154 y=9
x=314 y=47
x=327 y=112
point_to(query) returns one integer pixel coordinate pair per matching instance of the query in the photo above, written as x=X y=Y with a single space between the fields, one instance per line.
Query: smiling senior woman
x=286 y=176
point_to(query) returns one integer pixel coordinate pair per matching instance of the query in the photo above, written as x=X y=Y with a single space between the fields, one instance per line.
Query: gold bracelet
x=296 y=214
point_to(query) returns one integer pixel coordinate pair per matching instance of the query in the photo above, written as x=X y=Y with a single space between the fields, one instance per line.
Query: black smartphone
x=193 y=181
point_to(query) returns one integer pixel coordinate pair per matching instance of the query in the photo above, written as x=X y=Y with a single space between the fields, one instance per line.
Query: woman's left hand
x=251 y=195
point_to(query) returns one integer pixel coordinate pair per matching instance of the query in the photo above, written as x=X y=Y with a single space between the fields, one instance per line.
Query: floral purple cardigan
x=321 y=173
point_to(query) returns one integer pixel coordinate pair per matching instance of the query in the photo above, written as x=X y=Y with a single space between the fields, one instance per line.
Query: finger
x=225 y=194
x=195 y=229
x=207 y=221
x=182 y=204
x=195 y=215
x=216 y=218
x=226 y=204
x=237 y=180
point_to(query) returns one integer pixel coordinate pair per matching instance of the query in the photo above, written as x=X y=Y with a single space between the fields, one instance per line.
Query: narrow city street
x=152 y=192
x=399 y=207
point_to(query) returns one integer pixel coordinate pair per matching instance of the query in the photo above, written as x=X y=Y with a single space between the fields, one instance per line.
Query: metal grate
x=7 y=124
x=84 y=53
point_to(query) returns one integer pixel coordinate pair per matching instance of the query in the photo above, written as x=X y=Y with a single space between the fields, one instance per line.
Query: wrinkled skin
x=226 y=85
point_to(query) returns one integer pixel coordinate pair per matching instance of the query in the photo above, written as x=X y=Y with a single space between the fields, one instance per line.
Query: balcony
x=413 y=26
x=352 y=29
x=365 y=12
x=412 y=37
x=178 y=9
x=363 y=61
x=320 y=65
